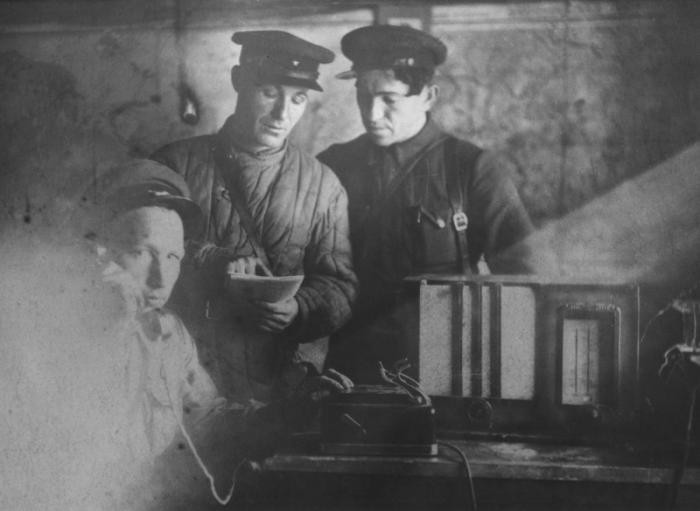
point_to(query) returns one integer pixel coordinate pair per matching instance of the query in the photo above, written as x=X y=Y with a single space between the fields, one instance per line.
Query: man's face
x=266 y=113
x=388 y=113
x=150 y=247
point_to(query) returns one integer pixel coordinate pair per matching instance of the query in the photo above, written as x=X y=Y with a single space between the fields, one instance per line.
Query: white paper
x=245 y=287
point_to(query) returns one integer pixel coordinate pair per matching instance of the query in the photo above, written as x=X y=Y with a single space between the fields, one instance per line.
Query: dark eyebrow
x=269 y=86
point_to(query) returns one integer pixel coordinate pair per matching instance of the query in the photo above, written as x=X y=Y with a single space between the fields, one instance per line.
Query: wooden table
x=507 y=475
x=497 y=460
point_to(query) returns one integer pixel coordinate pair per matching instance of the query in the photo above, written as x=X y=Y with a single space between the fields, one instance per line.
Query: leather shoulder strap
x=228 y=168
x=407 y=169
x=458 y=165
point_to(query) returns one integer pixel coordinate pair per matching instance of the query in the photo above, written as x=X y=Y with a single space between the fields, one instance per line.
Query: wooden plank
x=495 y=340
x=457 y=329
x=476 y=329
x=496 y=460
x=434 y=349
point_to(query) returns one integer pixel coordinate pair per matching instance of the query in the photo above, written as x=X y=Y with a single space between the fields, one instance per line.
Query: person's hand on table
x=329 y=382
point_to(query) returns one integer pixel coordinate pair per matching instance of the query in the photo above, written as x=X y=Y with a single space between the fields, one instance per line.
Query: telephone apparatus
x=396 y=418
x=510 y=357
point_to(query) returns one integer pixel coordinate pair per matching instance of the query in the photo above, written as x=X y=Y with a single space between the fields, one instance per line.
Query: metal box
x=527 y=355
x=377 y=420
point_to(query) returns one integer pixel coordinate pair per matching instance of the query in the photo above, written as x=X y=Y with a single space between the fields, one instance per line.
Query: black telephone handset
x=684 y=358
x=687 y=303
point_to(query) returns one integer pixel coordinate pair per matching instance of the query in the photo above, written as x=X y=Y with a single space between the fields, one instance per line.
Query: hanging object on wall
x=189 y=104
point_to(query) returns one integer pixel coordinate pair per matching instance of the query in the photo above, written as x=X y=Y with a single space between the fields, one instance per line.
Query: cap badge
x=158 y=193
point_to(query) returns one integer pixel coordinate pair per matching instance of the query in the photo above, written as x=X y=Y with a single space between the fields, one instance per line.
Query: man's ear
x=432 y=92
x=235 y=77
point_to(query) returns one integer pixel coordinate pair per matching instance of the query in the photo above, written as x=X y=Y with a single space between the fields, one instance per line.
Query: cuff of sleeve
x=298 y=326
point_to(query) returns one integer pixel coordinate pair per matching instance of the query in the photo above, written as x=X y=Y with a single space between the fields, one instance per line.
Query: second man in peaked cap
x=421 y=200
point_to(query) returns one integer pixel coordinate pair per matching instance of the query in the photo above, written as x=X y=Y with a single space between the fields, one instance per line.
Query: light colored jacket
x=300 y=217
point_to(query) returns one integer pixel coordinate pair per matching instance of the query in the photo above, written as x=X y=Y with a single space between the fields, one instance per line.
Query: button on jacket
x=386 y=230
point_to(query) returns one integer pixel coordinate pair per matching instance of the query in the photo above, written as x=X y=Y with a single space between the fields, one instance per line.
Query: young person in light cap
x=142 y=364
x=269 y=208
x=144 y=215
x=420 y=200
x=117 y=375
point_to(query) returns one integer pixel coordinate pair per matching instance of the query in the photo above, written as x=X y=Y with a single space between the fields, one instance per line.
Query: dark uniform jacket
x=401 y=206
x=299 y=211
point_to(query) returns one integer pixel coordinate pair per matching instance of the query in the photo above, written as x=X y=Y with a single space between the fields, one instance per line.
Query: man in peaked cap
x=420 y=200
x=269 y=208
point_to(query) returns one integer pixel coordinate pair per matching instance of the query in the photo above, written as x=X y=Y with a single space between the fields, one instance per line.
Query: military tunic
x=401 y=218
x=299 y=211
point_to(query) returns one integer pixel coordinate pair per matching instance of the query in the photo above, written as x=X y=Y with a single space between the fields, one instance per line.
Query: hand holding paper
x=274 y=316
x=248 y=265
x=250 y=288
x=268 y=301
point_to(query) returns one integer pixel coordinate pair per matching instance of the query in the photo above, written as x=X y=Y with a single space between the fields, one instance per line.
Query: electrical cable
x=402 y=380
x=652 y=320
x=467 y=472
x=683 y=294
x=410 y=384
x=221 y=500
x=680 y=470
x=234 y=478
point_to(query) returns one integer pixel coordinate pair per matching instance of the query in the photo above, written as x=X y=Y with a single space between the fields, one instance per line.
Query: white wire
x=651 y=321
x=467 y=472
x=225 y=500
x=212 y=485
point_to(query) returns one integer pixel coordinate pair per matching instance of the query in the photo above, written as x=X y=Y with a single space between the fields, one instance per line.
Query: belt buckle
x=460 y=221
